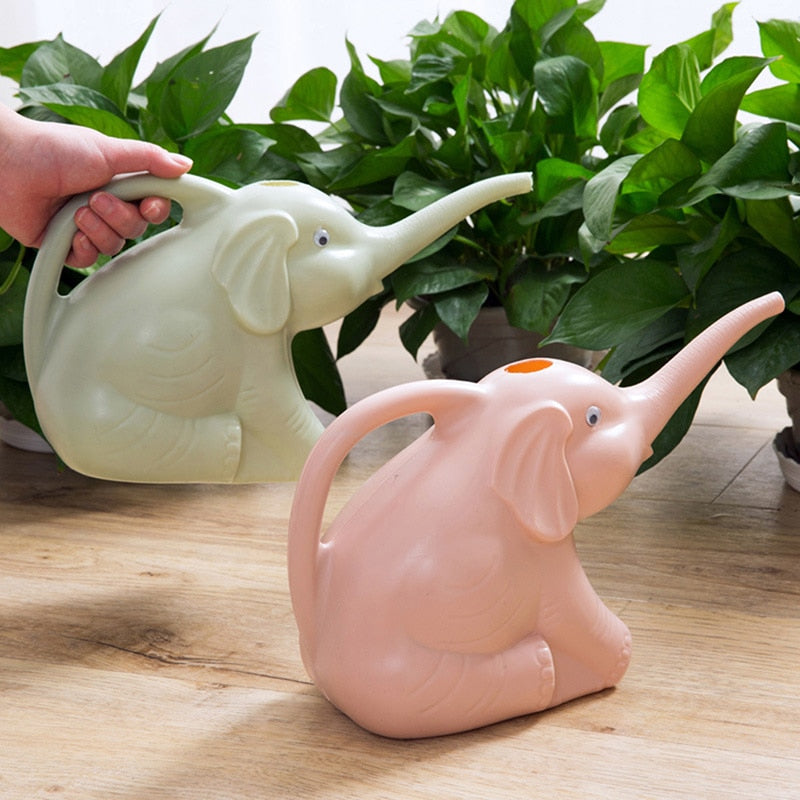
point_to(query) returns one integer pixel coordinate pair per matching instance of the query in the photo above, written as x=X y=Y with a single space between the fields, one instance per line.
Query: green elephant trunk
x=410 y=235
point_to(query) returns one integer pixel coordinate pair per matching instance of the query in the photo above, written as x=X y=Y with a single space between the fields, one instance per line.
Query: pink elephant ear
x=532 y=475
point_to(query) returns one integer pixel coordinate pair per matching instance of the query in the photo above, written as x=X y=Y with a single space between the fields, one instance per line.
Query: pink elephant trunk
x=659 y=397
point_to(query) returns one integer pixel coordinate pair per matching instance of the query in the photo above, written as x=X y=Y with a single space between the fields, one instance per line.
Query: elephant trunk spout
x=659 y=397
x=412 y=234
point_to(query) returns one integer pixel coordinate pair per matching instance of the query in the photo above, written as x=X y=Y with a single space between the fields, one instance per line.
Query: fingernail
x=182 y=160
x=101 y=202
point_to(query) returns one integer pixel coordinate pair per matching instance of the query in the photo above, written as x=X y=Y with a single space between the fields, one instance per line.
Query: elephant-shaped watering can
x=173 y=362
x=447 y=594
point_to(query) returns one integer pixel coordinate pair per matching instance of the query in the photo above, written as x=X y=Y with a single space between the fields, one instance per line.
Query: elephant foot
x=577 y=677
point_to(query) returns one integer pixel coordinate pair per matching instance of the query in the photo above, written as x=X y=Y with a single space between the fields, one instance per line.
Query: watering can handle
x=193 y=193
x=435 y=397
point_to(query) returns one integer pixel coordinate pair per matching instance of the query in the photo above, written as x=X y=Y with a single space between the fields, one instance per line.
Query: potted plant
x=471 y=101
x=700 y=215
x=181 y=106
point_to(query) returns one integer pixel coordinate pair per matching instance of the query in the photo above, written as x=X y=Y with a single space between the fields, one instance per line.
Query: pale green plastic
x=173 y=362
x=448 y=594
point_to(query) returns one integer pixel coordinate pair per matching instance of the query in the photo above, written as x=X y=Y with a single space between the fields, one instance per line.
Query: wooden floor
x=147 y=646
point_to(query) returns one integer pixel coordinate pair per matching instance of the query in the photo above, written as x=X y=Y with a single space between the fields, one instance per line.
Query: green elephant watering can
x=173 y=362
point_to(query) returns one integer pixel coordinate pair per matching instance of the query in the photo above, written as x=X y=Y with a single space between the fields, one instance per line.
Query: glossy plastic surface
x=173 y=362
x=448 y=593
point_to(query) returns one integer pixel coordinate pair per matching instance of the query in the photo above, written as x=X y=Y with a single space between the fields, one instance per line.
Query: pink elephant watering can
x=173 y=362
x=448 y=594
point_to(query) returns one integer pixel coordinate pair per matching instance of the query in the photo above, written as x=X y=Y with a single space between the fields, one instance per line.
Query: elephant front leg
x=591 y=646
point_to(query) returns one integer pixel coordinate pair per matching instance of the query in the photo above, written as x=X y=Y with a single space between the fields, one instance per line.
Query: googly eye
x=321 y=237
x=593 y=415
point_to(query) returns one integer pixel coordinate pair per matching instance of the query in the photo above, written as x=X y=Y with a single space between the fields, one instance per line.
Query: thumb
x=128 y=155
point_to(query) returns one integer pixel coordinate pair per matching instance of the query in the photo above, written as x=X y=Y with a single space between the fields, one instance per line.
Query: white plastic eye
x=593 y=415
x=321 y=237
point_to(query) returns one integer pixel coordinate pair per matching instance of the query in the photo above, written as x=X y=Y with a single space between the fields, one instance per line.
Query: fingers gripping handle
x=435 y=397
x=193 y=193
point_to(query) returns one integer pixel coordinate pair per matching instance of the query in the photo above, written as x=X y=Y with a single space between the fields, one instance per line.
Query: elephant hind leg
x=446 y=692
x=140 y=444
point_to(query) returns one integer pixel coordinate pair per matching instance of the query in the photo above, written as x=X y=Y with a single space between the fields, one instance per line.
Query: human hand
x=43 y=164
x=107 y=222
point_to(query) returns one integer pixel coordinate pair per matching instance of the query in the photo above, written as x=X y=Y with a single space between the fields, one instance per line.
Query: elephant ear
x=532 y=475
x=250 y=263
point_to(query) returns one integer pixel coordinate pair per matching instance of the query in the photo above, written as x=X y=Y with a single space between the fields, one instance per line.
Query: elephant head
x=447 y=594
x=172 y=363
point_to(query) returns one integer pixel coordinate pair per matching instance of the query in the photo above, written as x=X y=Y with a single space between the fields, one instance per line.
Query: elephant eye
x=593 y=415
x=321 y=237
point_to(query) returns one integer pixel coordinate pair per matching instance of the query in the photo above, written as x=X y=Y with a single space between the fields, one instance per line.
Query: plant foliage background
x=664 y=195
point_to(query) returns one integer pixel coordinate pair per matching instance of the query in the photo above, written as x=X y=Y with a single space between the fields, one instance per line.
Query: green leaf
x=413 y=192
x=359 y=323
x=619 y=125
x=776 y=350
x=710 y=129
x=711 y=43
x=695 y=260
x=12 y=363
x=107 y=122
x=537 y=296
x=558 y=206
x=233 y=153
x=545 y=17
x=567 y=89
x=647 y=346
x=361 y=112
x=431 y=276
x=736 y=279
x=458 y=308
x=600 y=196
x=16 y=395
x=781 y=37
x=761 y=154
x=416 y=329
x=375 y=166
x=60 y=62
x=621 y=60
x=779 y=102
x=12 y=303
x=316 y=371
x=429 y=69
x=154 y=85
x=13 y=59
x=678 y=426
x=311 y=97
x=201 y=87
x=646 y=232
x=118 y=75
x=618 y=302
x=670 y=90
x=775 y=220
x=659 y=170
x=81 y=106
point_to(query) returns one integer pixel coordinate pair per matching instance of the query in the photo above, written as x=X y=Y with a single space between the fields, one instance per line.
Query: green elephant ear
x=250 y=264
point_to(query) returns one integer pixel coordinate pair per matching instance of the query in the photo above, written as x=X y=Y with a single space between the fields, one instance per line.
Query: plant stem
x=12 y=276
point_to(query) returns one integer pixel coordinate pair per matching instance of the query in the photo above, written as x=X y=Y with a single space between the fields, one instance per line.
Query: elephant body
x=172 y=389
x=461 y=627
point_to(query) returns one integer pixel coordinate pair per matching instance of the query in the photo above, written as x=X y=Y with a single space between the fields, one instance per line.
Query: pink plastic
x=448 y=593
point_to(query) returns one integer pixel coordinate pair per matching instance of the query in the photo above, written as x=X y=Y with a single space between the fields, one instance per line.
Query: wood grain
x=148 y=650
